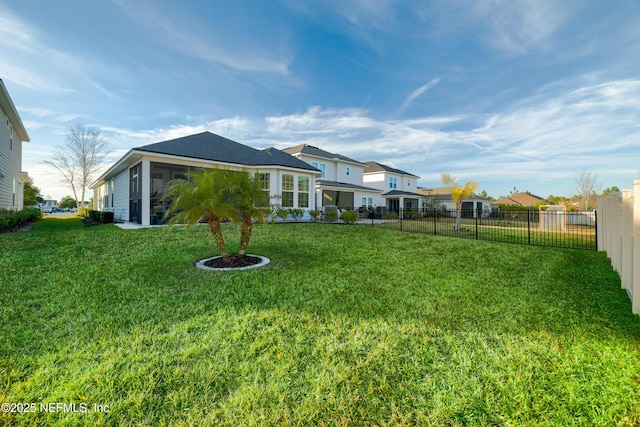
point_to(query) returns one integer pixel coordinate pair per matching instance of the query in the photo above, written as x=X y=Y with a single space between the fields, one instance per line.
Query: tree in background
x=459 y=193
x=609 y=191
x=79 y=158
x=486 y=196
x=67 y=202
x=587 y=184
x=30 y=193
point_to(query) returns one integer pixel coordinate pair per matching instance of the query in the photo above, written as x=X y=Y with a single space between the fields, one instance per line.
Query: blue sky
x=508 y=93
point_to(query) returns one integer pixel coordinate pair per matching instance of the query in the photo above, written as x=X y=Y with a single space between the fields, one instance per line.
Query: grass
x=575 y=236
x=348 y=325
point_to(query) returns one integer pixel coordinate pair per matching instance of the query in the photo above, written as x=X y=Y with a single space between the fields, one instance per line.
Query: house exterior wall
x=11 y=185
x=335 y=169
x=383 y=181
x=118 y=191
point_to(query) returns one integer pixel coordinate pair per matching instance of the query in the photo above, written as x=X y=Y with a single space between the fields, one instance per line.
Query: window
x=393 y=182
x=320 y=166
x=408 y=183
x=13 y=202
x=303 y=191
x=265 y=182
x=364 y=201
x=347 y=171
x=10 y=137
x=287 y=191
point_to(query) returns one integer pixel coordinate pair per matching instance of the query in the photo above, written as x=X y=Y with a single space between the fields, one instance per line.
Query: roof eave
x=12 y=113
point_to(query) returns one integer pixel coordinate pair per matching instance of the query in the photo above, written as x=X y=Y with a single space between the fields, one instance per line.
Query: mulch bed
x=233 y=261
x=88 y=222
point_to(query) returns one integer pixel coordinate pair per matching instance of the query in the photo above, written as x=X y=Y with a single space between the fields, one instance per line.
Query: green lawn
x=348 y=325
x=575 y=236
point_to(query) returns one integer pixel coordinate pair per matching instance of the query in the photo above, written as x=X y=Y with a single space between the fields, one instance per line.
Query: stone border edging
x=200 y=264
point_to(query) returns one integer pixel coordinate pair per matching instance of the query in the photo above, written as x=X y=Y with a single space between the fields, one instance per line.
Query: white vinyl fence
x=619 y=237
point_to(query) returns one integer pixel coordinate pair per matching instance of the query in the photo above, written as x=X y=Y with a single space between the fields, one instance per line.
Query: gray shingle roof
x=209 y=146
x=315 y=151
x=335 y=184
x=401 y=193
x=379 y=167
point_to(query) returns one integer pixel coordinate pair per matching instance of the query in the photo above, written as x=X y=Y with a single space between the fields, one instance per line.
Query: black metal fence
x=532 y=227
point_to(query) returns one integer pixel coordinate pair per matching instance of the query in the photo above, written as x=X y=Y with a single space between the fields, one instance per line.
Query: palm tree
x=249 y=201
x=459 y=193
x=217 y=195
x=206 y=193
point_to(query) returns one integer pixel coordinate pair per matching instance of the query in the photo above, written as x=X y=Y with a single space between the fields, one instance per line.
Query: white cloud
x=417 y=93
x=207 y=41
x=518 y=26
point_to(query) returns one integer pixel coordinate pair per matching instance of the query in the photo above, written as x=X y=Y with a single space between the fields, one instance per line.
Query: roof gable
x=522 y=199
x=372 y=167
x=318 y=152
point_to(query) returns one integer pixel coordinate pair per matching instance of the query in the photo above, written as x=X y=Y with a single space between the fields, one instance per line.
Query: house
x=399 y=188
x=133 y=187
x=441 y=198
x=341 y=181
x=12 y=135
x=520 y=199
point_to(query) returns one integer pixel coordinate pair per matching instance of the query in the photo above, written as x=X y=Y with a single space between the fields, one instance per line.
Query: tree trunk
x=216 y=230
x=245 y=235
x=458 y=215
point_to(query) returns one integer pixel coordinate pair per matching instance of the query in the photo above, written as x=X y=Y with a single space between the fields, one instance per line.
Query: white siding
x=121 y=196
x=10 y=165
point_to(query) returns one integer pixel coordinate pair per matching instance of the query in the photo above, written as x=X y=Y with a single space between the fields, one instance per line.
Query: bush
x=330 y=216
x=392 y=215
x=296 y=214
x=10 y=220
x=350 y=217
x=282 y=213
x=101 y=217
x=315 y=214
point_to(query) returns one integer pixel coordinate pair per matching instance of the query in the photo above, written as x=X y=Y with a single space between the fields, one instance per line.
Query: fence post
x=400 y=213
x=477 y=215
x=635 y=297
x=435 y=222
x=529 y=226
x=595 y=222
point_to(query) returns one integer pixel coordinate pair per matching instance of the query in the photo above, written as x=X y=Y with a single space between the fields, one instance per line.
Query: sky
x=520 y=94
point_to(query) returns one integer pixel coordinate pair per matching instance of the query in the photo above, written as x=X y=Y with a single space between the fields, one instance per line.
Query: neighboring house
x=440 y=198
x=341 y=181
x=49 y=203
x=520 y=199
x=12 y=135
x=399 y=188
x=133 y=187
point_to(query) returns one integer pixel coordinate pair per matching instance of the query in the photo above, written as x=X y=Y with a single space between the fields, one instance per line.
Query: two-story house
x=341 y=182
x=398 y=188
x=12 y=135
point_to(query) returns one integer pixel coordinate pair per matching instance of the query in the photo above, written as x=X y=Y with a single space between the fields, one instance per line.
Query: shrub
x=331 y=216
x=392 y=215
x=411 y=214
x=296 y=214
x=315 y=214
x=349 y=217
x=10 y=220
x=101 y=217
x=282 y=213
